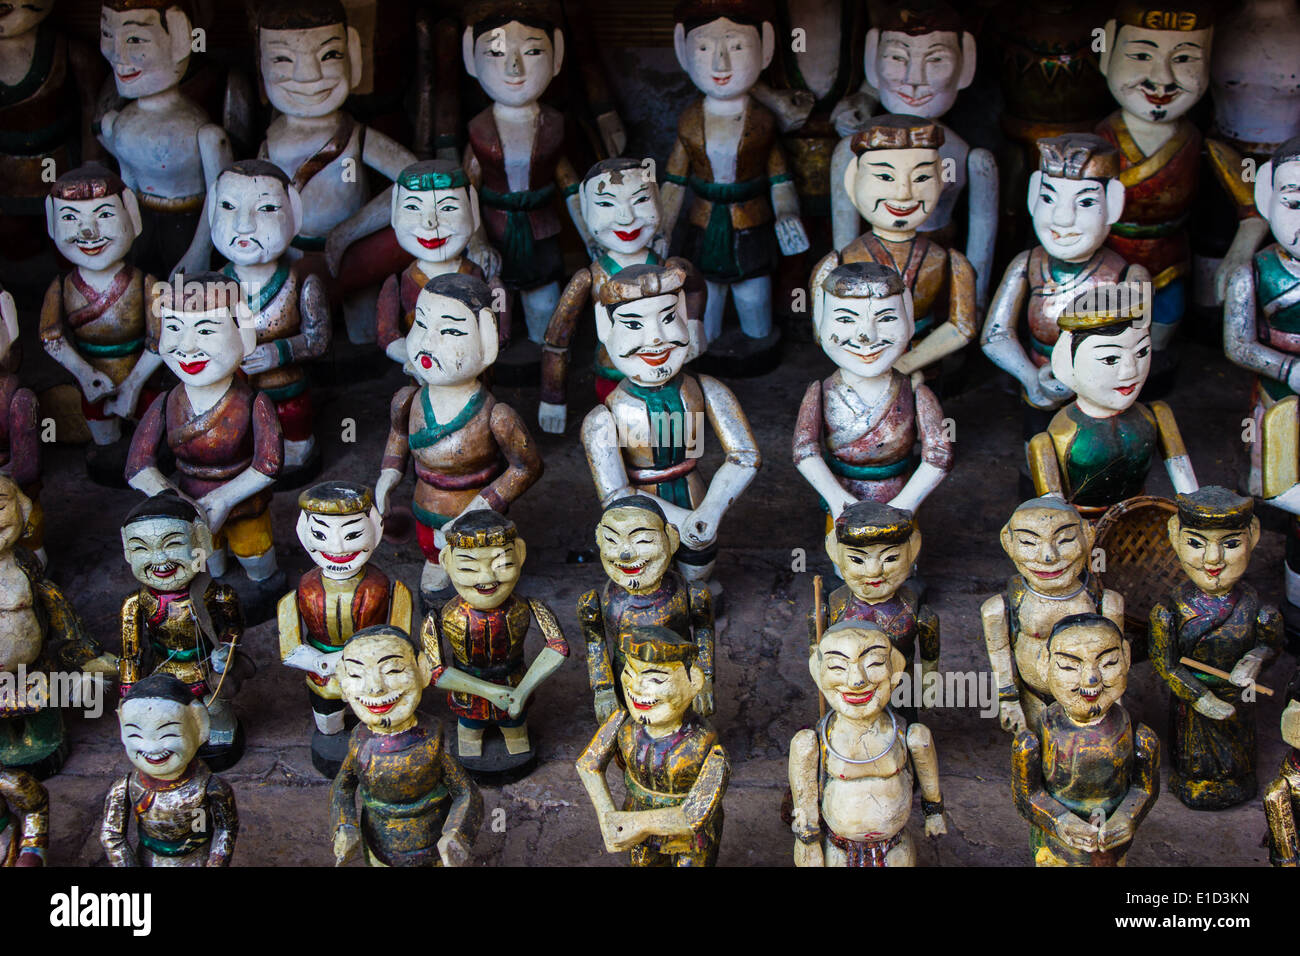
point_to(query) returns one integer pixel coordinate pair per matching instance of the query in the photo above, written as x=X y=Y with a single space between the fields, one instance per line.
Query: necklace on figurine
x=826 y=740
x=1083 y=583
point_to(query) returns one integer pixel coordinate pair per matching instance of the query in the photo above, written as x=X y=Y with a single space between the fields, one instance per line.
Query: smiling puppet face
x=1157 y=75
x=864 y=336
x=513 y=62
x=164 y=552
x=1104 y=351
x=874 y=546
x=309 y=72
x=382 y=678
x=17 y=18
x=254 y=217
x=724 y=58
x=856 y=668
x=202 y=342
x=450 y=342
x=895 y=189
x=94 y=233
x=162 y=726
x=434 y=224
x=620 y=205
x=1049 y=544
x=1071 y=217
x=485 y=576
x=1214 y=533
x=1087 y=666
x=146 y=45
x=636 y=547
x=340 y=544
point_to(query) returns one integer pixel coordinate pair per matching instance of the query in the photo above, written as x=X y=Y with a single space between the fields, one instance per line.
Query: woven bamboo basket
x=1139 y=560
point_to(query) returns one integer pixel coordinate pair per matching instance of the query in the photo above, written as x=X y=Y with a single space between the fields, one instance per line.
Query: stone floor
x=764 y=694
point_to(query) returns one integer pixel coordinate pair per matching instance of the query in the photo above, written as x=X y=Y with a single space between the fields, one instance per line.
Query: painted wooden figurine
x=1097 y=450
x=180 y=621
x=874 y=548
x=485 y=626
x=1050 y=544
x=20 y=440
x=648 y=435
x=184 y=814
x=637 y=545
x=896 y=180
x=744 y=210
x=620 y=204
x=340 y=528
x=40 y=632
x=1083 y=774
x=674 y=767
x=515 y=156
x=255 y=213
x=856 y=430
x=1215 y=619
x=418 y=807
x=169 y=152
x=918 y=57
x=24 y=819
x=470 y=450
x=93 y=320
x=1074 y=197
x=852 y=778
x=224 y=434
x=1282 y=798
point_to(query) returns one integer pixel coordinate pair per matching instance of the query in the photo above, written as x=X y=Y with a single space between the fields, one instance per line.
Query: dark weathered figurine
x=1282 y=798
x=20 y=440
x=23 y=841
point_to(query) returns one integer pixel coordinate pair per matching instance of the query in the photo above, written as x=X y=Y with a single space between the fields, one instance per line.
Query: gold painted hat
x=482 y=528
x=91 y=181
x=641 y=282
x=915 y=17
x=872 y=522
x=1104 y=305
x=1182 y=15
x=897 y=131
x=337 y=498
x=656 y=644
x=1078 y=156
x=1213 y=508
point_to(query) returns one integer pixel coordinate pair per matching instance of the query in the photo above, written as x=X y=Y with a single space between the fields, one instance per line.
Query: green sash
x=517 y=244
x=415 y=808
x=173 y=847
x=269 y=291
x=717 y=255
x=664 y=403
x=432 y=432
x=866 y=472
x=115 y=350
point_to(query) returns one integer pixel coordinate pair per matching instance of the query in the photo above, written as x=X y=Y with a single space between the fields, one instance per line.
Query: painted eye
x=632 y=324
x=332 y=55
x=1045 y=199
x=227 y=204
x=924 y=178
x=892 y=559
x=884 y=177
x=1142 y=57
x=68 y=217
x=1088 y=203
x=1144 y=351
x=268 y=207
x=352 y=536
x=455 y=332
x=108 y=214
x=281 y=59
x=318 y=535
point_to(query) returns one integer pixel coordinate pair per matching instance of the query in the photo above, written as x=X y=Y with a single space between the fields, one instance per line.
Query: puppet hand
x=552 y=417
x=1207 y=705
x=851 y=113
x=790 y=236
x=453 y=849
x=1012 y=716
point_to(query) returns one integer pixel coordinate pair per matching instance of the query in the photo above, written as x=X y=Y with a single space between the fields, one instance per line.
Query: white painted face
x=23 y=17
x=161 y=736
x=622 y=209
x=855 y=670
x=340 y=545
x=93 y=233
x=863 y=336
x=254 y=218
x=203 y=348
x=382 y=678
x=1108 y=370
x=309 y=72
x=723 y=58
x=922 y=74
x=514 y=63
x=165 y=553
x=1071 y=216
x=659 y=694
x=647 y=339
x=1279 y=188
x=1158 y=74
x=895 y=189
x=436 y=224
x=448 y=344
x=146 y=55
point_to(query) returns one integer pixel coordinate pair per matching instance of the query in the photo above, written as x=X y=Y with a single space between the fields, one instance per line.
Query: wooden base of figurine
x=106 y=464
x=35 y=743
x=257 y=599
x=733 y=354
x=519 y=365
x=220 y=757
x=295 y=476
x=1212 y=794
x=497 y=766
x=328 y=751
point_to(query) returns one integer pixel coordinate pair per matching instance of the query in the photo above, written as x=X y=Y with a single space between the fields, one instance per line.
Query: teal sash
x=517 y=245
x=432 y=432
x=664 y=403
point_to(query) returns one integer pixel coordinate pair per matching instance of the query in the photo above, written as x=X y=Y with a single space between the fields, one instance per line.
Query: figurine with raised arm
x=224 y=434
x=1074 y=197
x=637 y=545
x=470 y=450
x=1215 y=619
x=1050 y=544
x=918 y=57
x=418 y=807
x=1282 y=798
x=23 y=841
x=874 y=548
x=856 y=431
x=648 y=435
x=674 y=767
x=255 y=213
x=184 y=814
x=340 y=528
x=1083 y=774
x=485 y=626
x=1097 y=450
x=169 y=151
x=620 y=204
x=852 y=778
x=744 y=210
x=20 y=439
x=180 y=621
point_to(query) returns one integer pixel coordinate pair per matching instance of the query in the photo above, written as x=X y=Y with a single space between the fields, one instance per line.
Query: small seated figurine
x=180 y=621
x=637 y=545
x=895 y=180
x=485 y=627
x=1097 y=450
x=255 y=212
x=94 y=318
x=852 y=778
x=340 y=527
x=470 y=450
x=874 y=547
x=224 y=434
x=620 y=204
x=1216 y=619
x=1051 y=547
x=648 y=435
x=40 y=632
x=419 y=807
x=674 y=768
x=20 y=440
x=856 y=430
x=1083 y=775
x=1282 y=798
x=184 y=814
x=23 y=841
